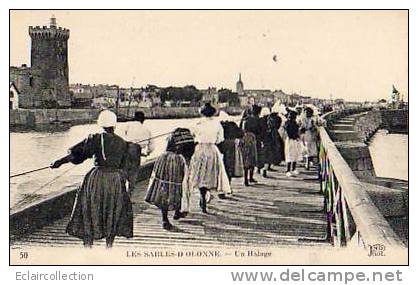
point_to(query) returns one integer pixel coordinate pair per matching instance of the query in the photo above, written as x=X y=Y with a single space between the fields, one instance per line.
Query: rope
x=21 y=202
x=154 y=137
x=30 y=171
x=144 y=140
x=54 y=179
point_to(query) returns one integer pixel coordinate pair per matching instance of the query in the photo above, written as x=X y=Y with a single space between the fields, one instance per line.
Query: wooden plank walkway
x=277 y=211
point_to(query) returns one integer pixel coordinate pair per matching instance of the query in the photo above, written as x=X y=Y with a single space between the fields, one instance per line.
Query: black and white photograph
x=208 y=137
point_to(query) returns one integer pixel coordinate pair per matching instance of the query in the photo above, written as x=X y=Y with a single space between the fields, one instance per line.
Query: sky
x=354 y=55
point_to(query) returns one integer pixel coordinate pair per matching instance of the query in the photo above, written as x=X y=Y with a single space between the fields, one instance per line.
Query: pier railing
x=352 y=217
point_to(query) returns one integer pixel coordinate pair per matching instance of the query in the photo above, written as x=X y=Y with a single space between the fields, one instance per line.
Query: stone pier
x=351 y=134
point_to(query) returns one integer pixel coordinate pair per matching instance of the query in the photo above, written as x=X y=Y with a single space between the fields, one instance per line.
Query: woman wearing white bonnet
x=280 y=109
x=102 y=207
x=107 y=119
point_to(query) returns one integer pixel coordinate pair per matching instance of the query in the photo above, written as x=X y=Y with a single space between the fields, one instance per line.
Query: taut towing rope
x=30 y=171
x=46 y=167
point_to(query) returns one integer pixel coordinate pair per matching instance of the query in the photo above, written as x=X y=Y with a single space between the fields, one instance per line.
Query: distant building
x=82 y=95
x=151 y=96
x=280 y=95
x=13 y=97
x=240 y=86
x=263 y=97
x=103 y=102
x=22 y=79
x=45 y=83
x=339 y=101
x=210 y=95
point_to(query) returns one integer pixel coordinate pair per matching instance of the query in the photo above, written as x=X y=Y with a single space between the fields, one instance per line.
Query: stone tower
x=240 y=86
x=49 y=66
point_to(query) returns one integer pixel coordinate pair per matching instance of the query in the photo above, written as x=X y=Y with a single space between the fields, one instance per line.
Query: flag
x=394 y=91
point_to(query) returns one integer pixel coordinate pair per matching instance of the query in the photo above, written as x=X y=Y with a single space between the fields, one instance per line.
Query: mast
x=130 y=97
x=117 y=101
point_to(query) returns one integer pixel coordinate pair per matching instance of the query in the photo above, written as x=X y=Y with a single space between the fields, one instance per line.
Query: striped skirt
x=102 y=207
x=165 y=189
x=207 y=169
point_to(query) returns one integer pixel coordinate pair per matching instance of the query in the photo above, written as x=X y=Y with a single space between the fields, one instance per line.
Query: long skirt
x=311 y=144
x=207 y=169
x=133 y=163
x=249 y=150
x=273 y=149
x=167 y=181
x=102 y=206
x=293 y=150
x=232 y=157
x=261 y=159
x=164 y=195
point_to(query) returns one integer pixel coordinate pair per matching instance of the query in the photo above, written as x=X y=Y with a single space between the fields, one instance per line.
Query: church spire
x=240 y=86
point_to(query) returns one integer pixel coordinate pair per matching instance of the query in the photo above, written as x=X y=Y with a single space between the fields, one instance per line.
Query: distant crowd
x=202 y=159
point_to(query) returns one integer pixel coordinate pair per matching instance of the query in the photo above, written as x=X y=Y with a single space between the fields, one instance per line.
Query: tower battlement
x=49 y=66
x=48 y=32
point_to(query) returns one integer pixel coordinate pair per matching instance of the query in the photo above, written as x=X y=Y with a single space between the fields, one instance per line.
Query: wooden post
x=347 y=235
x=338 y=218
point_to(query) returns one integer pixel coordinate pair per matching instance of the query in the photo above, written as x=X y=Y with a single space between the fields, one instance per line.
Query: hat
x=107 y=119
x=314 y=109
x=208 y=110
x=292 y=114
x=139 y=116
x=256 y=110
x=309 y=112
x=278 y=107
x=181 y=136
x=265 y=112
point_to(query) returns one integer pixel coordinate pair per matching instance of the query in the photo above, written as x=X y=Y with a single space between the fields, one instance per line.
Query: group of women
x=203 y=159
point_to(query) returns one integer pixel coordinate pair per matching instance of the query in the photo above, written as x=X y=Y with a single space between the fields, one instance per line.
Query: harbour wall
x=395 y=121
x=352 y=130
x=30 y=118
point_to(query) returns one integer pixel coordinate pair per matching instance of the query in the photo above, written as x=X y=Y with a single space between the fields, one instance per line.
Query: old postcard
x=222 y=137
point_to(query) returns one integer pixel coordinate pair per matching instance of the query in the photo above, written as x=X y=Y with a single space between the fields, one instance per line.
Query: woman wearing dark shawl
x=102 y=207
x=273 y=143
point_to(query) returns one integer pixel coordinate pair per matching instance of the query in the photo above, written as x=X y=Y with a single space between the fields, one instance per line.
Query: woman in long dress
x=249 y=153
x=168 y=184
x=207 y=170
x=231 y=149
x=292 y=144
x=309 y=136
x=254 y=125
x=102 y=207
x=274 y=147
